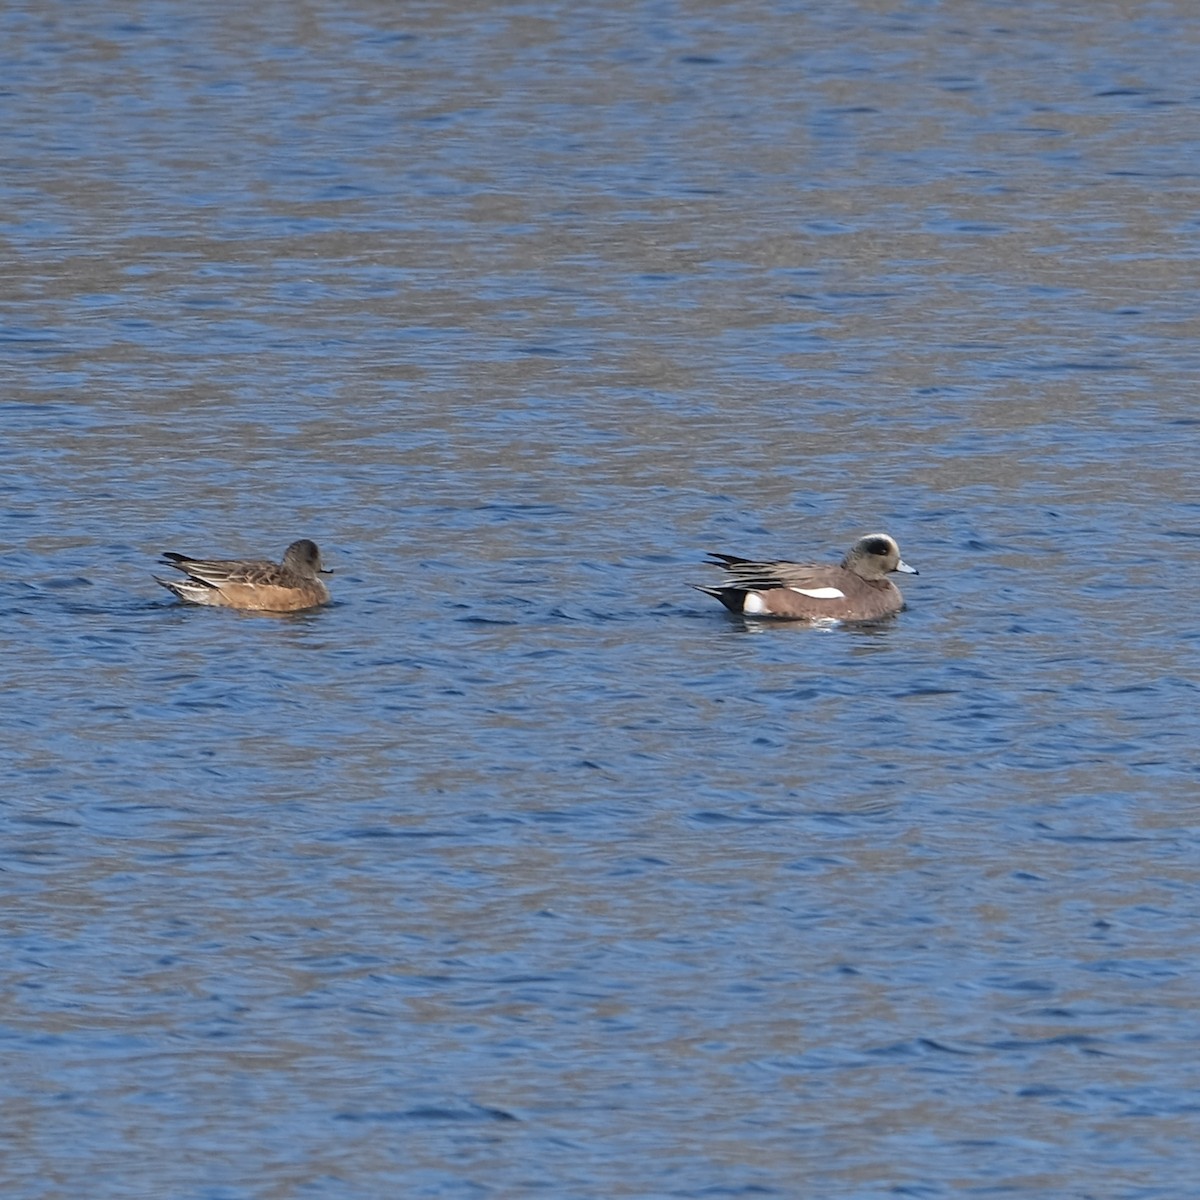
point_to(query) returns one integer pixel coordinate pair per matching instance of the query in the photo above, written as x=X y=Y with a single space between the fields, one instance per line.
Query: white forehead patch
x=825 y=593
x=753 y=604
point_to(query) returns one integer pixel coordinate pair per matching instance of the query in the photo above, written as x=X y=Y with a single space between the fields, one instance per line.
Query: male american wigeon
x=256 y=585
x=857 y=589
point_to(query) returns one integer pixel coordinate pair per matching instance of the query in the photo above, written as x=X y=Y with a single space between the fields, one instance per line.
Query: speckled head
x=304 y=558
x=874 y=556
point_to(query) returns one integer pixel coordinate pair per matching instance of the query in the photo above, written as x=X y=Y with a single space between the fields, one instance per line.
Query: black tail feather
x=733 y=598
x=725 y=560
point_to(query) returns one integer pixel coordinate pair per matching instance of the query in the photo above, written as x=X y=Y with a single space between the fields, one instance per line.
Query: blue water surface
x=523 y=869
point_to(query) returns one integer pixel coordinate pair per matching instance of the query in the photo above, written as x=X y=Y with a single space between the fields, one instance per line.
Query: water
x=523 y=869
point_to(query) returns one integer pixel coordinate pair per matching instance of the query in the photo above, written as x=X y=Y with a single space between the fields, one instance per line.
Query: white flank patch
x=753 y=604
x=829 y=593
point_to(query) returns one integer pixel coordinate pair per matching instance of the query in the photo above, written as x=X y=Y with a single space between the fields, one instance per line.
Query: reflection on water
x=520 y=868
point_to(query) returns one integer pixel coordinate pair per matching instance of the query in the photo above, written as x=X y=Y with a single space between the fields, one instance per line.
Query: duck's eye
x=878 y=546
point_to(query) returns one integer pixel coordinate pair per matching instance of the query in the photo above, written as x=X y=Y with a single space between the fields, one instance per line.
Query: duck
x=856 y=589
x=255 y=585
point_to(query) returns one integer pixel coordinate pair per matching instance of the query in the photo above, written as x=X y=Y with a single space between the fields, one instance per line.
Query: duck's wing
x=217 y=572
x=747 y=574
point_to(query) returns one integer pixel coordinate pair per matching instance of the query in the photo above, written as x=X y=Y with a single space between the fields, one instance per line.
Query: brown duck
x=256 y=585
